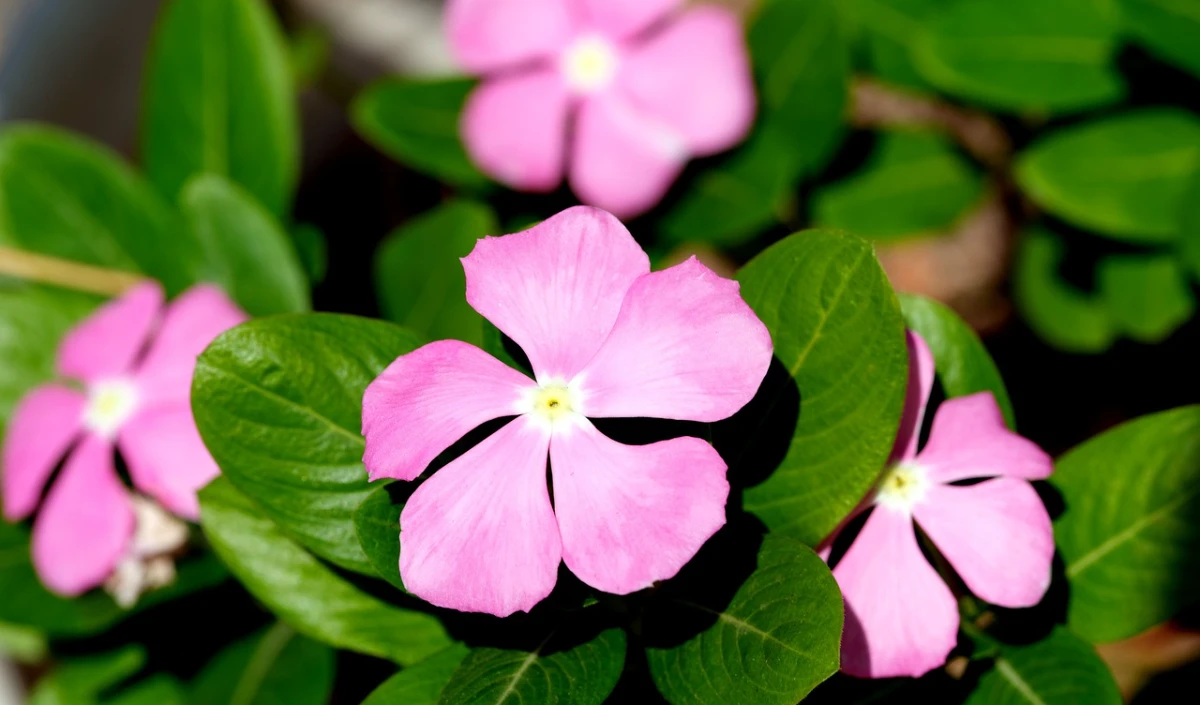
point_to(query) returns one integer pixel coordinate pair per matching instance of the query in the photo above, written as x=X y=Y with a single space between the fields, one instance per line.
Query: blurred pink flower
x=636 y=87
x=901 y=618
x=136 y=375
x=606 y=338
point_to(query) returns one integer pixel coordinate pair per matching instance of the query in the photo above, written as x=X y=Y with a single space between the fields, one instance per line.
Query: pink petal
x=621 y=18
x=624 y=160
x=695 y=77
x=901 y=619
x=515 y=129
x=428 y=399
x=969 y=439
x=633 y=515
x=686 y=346
x=40 y=430
x=166 y=458
x=86 y=524
x=920 y=383
x=996 y=534
x=106 y=343
x=556 y=288
x=486 y=35
x=480 y=535
x=192 y=321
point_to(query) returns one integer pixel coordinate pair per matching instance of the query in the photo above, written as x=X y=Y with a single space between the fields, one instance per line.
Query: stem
x=64 y=273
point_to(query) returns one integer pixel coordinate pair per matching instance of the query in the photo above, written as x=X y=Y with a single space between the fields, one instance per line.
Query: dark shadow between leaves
x=755 y=440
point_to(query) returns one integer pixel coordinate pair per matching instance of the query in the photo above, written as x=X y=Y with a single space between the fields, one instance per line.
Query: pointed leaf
x=1059 y=670
x=422 y=683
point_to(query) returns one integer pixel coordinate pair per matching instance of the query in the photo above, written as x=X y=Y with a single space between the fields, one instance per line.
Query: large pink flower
x=901 y=618
x=637 y=87
x=136 y=376
x=606 y=338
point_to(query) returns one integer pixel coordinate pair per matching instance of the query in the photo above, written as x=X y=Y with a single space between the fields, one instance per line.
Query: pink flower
x=901 y=618
x=136 y=391
x=631 y=88
x=606 y=338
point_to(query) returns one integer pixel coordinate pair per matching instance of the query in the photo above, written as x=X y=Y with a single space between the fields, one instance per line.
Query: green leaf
x=63 y=196
x=220 y=100
x=963 y=363
x=275 y=667
x=914 y=184
x=418 y=275
x=253 y=258
x=839 y=339
x=22 y=644
x=1189 y=241
x=278 y=402
x=1147 y=295
x=1061 y=315
x=159 y=689
x=1025 y=55
x=313 y=251
x=1169 y=28
x=1059 y=670
x=377 y=523
x=1124 y=177
x=889 y=29
x=416 y=123
x=1129 y=536
x=80 y=681
x=308 y=54
x=420 y=684
x=773 y=642
x=564 y=668
x=305 y=593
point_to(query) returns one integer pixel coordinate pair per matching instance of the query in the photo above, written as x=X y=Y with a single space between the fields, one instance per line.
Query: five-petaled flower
x=637 y=87
x=130 y=368
x=606 y=338
x=901 y=618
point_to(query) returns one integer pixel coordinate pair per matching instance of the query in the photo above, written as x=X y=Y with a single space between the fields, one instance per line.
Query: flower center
x=590 y=64
x=903 y=487
x=553 y=405
x=553 y=402
x=110 y=403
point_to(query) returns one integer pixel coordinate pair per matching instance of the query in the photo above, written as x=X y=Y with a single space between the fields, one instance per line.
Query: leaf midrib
x=526 y=664
x=1119 y=539
x=743 y=625
x=1018 y=683
x=265 y=654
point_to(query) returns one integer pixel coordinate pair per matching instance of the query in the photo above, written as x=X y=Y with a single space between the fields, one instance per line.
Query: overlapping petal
x=685 y=346
x=39 y=432
x=428 y=399
x=921 y=374
x=86 y=524
x=622 y=18
x=901 y=619
x=107 y=343
x=694 y=76
x=968 y=439
x=480 y=534
x=556 y=289
x=486 y=35
x=996 y=534
x=166 y=458
x=633 y=515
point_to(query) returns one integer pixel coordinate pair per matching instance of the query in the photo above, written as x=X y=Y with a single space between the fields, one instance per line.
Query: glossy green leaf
x=1129 y=536
x=305 y=593
x=422 y=683
x=419 y=277
x=220 y=100
x=775 y=640
x=416 y=123
x=66 y=197
x=889 y=29
x=1169 y=28
x=562 y=669
x=377 y=523
x=1027 y=55
x=963 y=363
x=252 y=257
x=1061 y=315
x=1059 y=670
x=1124 y=177
x=275 y=667
x=841 y=358
x=278 y=402
x=914 y=184
x=1148 y=295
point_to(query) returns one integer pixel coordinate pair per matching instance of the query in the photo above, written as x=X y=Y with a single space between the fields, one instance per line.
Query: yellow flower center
x=553 y=405
x=590 y=64
x=110 y=403
x=902 y=487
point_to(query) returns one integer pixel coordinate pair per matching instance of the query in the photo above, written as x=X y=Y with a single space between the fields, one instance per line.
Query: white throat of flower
x=110 y=403
x=590 y=64
x=903 y=487
x=552 y=405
